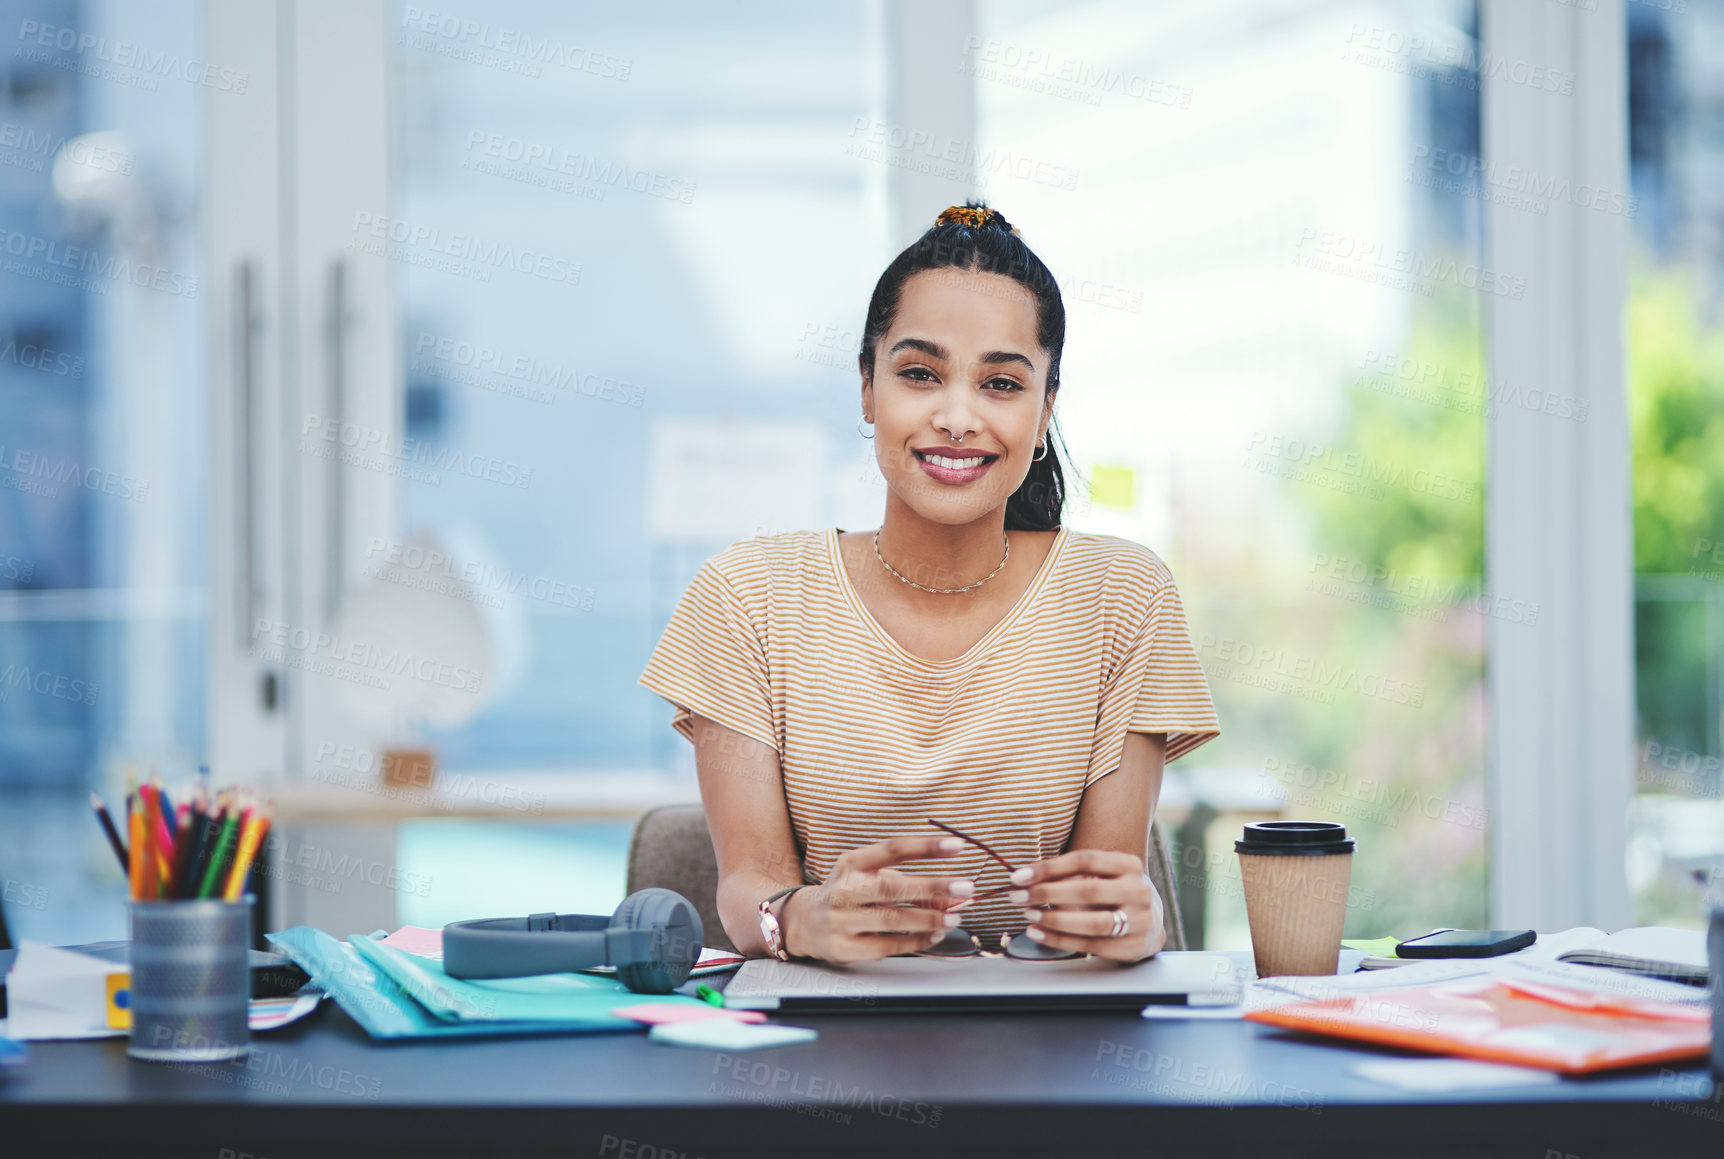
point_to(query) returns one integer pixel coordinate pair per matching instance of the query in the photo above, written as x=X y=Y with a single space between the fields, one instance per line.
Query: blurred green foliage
x=1676 y=406
x=1429 y=415
x=1421 y=409
x=1416 y=413
x=1427 y=408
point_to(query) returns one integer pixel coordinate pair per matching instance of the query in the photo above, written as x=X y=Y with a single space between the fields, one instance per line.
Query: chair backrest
x=672 y=849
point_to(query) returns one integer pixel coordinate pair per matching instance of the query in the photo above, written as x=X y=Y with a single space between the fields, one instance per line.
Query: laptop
x=984 y=983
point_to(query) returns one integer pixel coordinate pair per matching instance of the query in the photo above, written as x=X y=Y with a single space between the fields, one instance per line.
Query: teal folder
x=398 y=995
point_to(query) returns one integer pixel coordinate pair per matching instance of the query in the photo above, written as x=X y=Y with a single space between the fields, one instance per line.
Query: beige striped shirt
x=771 y=639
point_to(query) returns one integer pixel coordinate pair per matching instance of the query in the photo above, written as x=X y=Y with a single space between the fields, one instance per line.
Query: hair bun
x=975 y=215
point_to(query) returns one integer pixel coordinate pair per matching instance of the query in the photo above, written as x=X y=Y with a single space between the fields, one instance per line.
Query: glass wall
x=633 y=251
x=102 y=437
x=633 y=258
x=1675 y=328
x=625 y=244
x=1266 y=219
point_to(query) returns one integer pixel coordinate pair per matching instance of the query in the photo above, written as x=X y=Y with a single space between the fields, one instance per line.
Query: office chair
x=672 y=848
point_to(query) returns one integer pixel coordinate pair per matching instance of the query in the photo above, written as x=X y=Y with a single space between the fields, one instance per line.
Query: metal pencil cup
x=191 y=980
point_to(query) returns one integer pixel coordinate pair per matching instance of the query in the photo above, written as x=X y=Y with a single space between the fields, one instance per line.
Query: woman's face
x=958 y=396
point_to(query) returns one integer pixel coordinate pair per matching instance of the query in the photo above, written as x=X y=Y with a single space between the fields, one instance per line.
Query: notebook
x=1659 y=951
x=984 y=982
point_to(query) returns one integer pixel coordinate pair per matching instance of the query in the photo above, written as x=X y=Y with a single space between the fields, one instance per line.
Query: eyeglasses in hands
x=960 y=943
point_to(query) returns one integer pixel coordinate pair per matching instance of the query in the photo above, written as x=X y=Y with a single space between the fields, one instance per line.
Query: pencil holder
x=191 y=980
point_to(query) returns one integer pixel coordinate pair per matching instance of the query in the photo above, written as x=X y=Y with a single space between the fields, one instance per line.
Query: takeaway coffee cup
x=1295 y=875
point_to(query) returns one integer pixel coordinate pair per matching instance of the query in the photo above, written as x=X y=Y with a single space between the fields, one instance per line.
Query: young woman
x=973 y=662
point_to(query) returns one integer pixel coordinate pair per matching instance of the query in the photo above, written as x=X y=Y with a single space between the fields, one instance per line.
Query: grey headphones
x=653 y=940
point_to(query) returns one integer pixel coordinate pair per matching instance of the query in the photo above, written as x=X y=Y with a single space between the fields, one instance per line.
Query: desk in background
x=332 y=862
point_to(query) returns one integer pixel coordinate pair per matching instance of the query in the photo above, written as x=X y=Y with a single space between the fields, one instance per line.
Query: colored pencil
x=107 y=823
x=135 y=877
x=223 y=846
x=150 y=885
x=205 y=847
x=167 y=808
x=257 y=822
x=215 y=813
x=161 y=841
x=191 y=839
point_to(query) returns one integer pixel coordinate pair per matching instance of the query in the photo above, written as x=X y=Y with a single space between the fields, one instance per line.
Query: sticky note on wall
x=1112 y=485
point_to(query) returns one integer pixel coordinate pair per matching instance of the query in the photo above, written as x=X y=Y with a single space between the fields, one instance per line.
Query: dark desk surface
x=1060 y=1084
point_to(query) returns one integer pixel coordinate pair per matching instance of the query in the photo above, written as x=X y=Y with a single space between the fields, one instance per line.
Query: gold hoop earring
x=859 y=429
x=1043 y=448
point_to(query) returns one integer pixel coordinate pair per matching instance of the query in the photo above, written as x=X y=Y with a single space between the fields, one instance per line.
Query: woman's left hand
x=1085 y=888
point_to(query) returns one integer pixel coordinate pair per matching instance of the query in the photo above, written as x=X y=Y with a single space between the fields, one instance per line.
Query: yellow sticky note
x=1113 y=486
x=120 y=1001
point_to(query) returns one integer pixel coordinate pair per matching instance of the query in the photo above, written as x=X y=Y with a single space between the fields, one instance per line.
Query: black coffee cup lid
x=1292 y=838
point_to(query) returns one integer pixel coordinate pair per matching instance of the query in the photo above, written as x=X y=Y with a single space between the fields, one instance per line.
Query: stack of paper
x=55 y=993
x=1656 y=951
x=1549 y=959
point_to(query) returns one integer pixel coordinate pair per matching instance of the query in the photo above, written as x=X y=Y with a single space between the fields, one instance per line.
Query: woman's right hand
x=866 y=909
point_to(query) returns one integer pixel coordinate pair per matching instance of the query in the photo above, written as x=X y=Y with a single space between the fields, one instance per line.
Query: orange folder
x=1525 y=1023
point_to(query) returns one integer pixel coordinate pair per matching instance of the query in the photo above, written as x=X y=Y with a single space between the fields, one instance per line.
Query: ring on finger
x=1121 y=924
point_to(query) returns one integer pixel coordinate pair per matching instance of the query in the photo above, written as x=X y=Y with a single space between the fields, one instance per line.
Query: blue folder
x=398 y=995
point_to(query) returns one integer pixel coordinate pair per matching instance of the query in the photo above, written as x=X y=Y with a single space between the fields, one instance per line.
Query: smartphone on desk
x=1466 y=944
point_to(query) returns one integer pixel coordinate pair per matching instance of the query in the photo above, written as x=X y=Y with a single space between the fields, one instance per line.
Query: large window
x=102 y=437
x=633 y=251
x=629 y=252
x=475 y=329
x=1266 y=219
x=1676 y=382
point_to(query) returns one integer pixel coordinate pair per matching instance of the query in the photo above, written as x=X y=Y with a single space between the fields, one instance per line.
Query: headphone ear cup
x=624 y=916
x=675 y=942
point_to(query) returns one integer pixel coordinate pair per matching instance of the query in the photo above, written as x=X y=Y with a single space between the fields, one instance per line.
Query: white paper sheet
x=58 y=994
x=54 y=993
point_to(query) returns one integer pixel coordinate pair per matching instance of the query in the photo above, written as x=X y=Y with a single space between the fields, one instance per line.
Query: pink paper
x=658 y=1013
x=416 y=940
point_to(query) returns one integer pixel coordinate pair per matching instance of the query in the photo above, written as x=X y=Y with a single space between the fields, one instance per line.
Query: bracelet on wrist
x=771 y=930
x=784 y=920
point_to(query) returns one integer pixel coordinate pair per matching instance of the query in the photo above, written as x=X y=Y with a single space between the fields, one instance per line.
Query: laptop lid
x=891 y=985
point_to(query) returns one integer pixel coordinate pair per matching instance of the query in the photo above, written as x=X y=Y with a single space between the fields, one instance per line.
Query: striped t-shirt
x=771 y=639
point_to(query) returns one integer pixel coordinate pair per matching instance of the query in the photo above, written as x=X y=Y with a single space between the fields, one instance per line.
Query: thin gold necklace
x=942 y=591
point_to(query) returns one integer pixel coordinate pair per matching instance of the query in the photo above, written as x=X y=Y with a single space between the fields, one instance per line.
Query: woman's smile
x=954 y=466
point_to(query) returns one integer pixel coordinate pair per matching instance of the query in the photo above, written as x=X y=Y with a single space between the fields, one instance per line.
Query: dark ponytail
x=979 y=238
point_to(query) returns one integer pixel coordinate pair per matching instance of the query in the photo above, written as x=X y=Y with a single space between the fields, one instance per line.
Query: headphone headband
x=653 y=939
x=512 y=947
